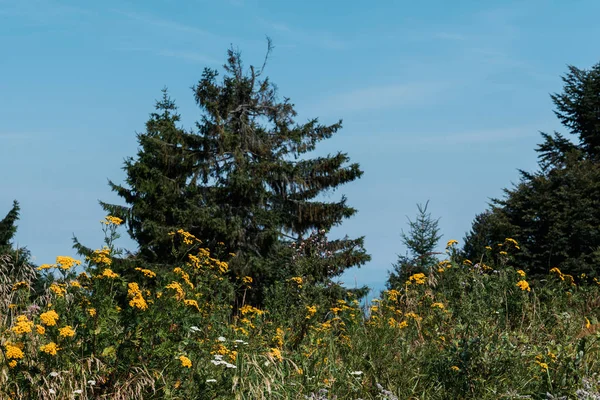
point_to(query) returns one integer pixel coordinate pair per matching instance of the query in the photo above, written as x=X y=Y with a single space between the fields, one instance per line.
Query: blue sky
x=441 y=101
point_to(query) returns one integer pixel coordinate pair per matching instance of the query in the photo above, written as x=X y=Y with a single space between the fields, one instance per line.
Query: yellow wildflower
x=276 y=354
x=438 y=305
x=45 y=266
x=455 y=368
x=297 y=280
x=148 y=273
x=108 y=273
x=588 y=324
x=310 y=311
x=451 y=243
x=19 y=285
x=75 y=284
x=13 y=351
x=177 y=287
x=138 y=300
x=50 y=348
x=503 y=253
x=92 y=312
x=192 y=303
x=419 y=279
x=101 y=256
x=23 y=325
x=58 y=289
x=67 y=331
x=247 y=280
x=40 y=329
x=66 y=262
x=49 y=318
x=109 y=219
x=521 y=273
x=523 y=285
x=185 y=362
x=12 y=363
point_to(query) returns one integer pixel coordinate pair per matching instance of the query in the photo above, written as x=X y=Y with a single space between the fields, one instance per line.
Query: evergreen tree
x=421 y=240
x=553 y=213
x=240 y=179
x=8 y=229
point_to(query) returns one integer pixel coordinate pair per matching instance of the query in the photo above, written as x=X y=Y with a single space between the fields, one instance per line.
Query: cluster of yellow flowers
x=66 y=331
x=523 y=285
x=247 y=280
x=177 y=287
x=13 y=351
x=297 y=280
x=109 y=273
x=137 y=300
x=451 y=243
x=58 y=289
x=23 y=325
x=188 y=238
x=310 y=311
x=101 y=256
x=275 y=354
x=147 y=273
x=110 y=220
x=185 y=362
x=192 y=303
x=49 y=318
x=418 y=279
x=19 y=285
x=185 y=276
x=563 y=277
x=50 y=348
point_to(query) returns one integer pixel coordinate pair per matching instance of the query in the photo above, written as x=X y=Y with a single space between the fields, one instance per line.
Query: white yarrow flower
x=91 y=382
x=221 y=339
x=52 y=391
x=78 y=391
x=53 y=374
x=356 y=373
x=195 y=328
x=211 y=380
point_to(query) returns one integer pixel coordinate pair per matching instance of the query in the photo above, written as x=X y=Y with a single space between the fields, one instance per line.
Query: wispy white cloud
x=189 y=56
x=16 y=135
x=382 y=97
x=471 y=137
x=151 y=20
x=296 y=35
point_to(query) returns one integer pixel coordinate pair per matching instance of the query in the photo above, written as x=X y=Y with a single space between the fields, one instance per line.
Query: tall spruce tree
x=553 y=213
x=421 y=239
x=240 y=179
x=8 y=229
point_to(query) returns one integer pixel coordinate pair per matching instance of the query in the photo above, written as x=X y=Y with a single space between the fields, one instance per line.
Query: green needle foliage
x=553 y=213
x=240 y=181
x=420 y=240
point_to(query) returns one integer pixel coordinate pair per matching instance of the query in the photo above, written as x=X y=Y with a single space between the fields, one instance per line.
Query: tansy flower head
x=108 y=273
x=49 y=318
x=109 y=219
x=523 y=285
x=67 y=331
x=66 y=262
x=23 y=325
x=185 y=362
x=50 y=348
x=13 y=351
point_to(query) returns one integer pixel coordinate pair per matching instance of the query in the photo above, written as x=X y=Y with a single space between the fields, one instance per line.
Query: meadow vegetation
x=462 y=330
x=232 y=291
